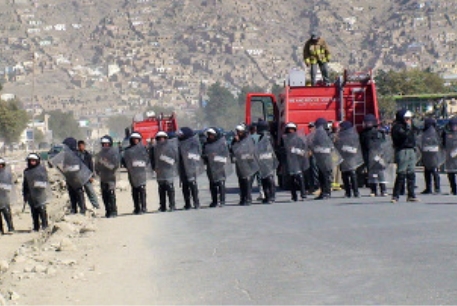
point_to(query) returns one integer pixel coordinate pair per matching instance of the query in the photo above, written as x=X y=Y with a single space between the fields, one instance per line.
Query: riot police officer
x=404 y=140
x=218 y=166
x=296 y=157
x=267 y=162
x=450 y=145
x=372 y=141
x=34 y=190
x=432 y=156
x=164 y=160
x=190 y=166
x=106 y=164
x=243 y=148
x=136 y=160
x=6 y=183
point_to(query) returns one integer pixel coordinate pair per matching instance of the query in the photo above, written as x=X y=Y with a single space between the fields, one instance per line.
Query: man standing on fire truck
x=316 y=52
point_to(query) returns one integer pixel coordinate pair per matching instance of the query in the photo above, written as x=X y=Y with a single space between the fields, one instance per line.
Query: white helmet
x=135 y=135
x=291 y=125
x=161 y=134
x=33 y=156
x=408 y=114
x=210 y=131
x=2 y=161
x=240 y=128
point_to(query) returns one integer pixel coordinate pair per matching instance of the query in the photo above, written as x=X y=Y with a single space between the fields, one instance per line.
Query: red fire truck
x=149 y=126
x=350 y=98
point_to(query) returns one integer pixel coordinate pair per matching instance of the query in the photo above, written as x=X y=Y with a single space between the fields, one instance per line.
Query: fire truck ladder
x=359 y=105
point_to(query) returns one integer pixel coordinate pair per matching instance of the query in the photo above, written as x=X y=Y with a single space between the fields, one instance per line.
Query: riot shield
x=219 y=166
x=451 y=152
x=380 y=156
x=106 y=163
x=347 y=143
x=324 y=152
x=72 y=167
x=37 y=181
x=136 y=161
x=266 y=157
x=296 y=148
x=6 y=187
x=430 y=145
x=166 y=160
x=191 y=157
x=246 y=157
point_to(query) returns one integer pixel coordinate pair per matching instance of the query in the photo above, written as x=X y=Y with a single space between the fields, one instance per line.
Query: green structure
x=440 y=105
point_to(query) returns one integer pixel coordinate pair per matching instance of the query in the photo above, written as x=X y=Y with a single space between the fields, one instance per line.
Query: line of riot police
x=309 y=162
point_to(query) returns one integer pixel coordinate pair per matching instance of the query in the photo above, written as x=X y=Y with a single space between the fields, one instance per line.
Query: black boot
x=143 y=203
x=1 y=225
x=194 y=192
x=383 y=190
x=136 y=200
x=171 y=196
x=354 y=184
x=301 y=186
x=186 y=193
x=451 y=177
x=162 y=197
x=347 y=185
x=374 y=191
x=213 y=189
x=8 y=219
x=44 y=217
x=243 y=192
x=35 y=218
x=436 y=178
x=293 y=187
x=411 y=181
x=222 y=191
x=428 y=182
x=399 y=182
x=73 y=195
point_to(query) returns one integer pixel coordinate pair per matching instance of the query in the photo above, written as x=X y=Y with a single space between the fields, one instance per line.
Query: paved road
x=341 y=251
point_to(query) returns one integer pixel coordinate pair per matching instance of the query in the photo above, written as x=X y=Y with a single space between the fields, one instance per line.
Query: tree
x=38 y=135
x=245 y=90
x=117 y=124
x=63 y=125
x=13 y=120
x=220 y=101
x=408 y=82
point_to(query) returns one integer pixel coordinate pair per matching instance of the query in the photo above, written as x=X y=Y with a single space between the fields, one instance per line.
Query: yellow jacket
x=316 y=51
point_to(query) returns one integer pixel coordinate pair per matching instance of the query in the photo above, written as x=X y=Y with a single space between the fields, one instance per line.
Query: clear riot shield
x=324 y=152
x=451 y=152
x=72 y=167
x=246 y=157
x=348 y=145
x=219 y=164
x=6 y=187
x=380 y=156
x=166 y=160
x=106 y=164
x=266 y=157
x=38 y=184
x=296 y=148
x=430 y=144
x=191 y=157
x=136 y=161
